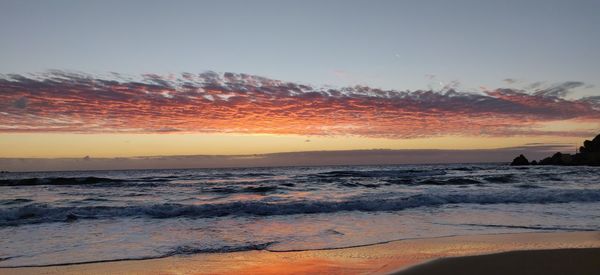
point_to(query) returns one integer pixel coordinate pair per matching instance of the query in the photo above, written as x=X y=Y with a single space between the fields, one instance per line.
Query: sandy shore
x=530 y=262
x=374 y=259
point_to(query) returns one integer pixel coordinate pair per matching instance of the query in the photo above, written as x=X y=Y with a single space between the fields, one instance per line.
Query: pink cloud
x=239 y=103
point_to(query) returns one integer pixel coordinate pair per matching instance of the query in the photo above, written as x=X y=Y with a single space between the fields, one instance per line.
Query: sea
x=55 y=218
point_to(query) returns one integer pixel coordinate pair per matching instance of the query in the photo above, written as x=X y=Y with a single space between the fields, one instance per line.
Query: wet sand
x=531 y=262
x=393 y=257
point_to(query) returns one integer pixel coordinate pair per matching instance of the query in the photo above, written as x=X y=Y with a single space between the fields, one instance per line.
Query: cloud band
x=209 y=102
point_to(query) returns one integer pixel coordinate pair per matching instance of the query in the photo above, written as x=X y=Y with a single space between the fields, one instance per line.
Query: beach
x=299 y=137
x=399 y=257
x=337 y=219
x=531 y=262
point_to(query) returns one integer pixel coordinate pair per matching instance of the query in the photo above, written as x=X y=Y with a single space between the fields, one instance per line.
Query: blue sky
x=522 y=72
x=387 y=44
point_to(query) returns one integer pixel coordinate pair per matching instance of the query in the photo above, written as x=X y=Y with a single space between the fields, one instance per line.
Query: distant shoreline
x=283 y=159
x=261 y=167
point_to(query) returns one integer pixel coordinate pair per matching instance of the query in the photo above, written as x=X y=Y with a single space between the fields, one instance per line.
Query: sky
x=149 y=78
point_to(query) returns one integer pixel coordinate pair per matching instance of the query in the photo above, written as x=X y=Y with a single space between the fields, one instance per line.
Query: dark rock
x=534 y=162
x=566 y=159
x=558 y=159
x=589 y=154
x=519 y=161
x=591 y=146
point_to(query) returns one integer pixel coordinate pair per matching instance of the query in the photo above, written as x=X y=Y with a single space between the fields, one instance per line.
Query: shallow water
x=69 y=217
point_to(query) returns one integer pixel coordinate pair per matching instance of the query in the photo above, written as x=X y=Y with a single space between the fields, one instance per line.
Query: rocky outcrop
x=589 y=154
x=519 y=161
x=591 y=146
x=558 y=159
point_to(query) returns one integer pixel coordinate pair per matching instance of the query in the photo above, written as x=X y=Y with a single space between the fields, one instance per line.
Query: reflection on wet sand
x=378 y=259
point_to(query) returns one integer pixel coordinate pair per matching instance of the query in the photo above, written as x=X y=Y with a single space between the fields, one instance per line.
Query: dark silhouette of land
x=589 y=154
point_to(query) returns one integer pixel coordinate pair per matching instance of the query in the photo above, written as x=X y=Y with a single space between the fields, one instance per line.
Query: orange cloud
x=239 y=103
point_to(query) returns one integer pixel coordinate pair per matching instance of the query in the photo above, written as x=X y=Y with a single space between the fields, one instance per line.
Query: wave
x=42 y=213
x=58 y=181
x=190 y=249
x=528 y=186
x=237 y=189
x=452 y=181
x=147 y=180
x=380 y=173
x=547 y=228
x=179 y=250
x=435 y=181
x=14 y=201
x=501 y=179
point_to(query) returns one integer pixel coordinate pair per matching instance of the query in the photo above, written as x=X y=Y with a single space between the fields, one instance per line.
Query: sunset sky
x=148 y=78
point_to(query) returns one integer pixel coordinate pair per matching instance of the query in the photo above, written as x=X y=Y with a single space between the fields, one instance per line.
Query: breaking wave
x=57 y=181
x=42 y=213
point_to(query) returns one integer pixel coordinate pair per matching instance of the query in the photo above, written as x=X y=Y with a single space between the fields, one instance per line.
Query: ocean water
x=52 y=218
